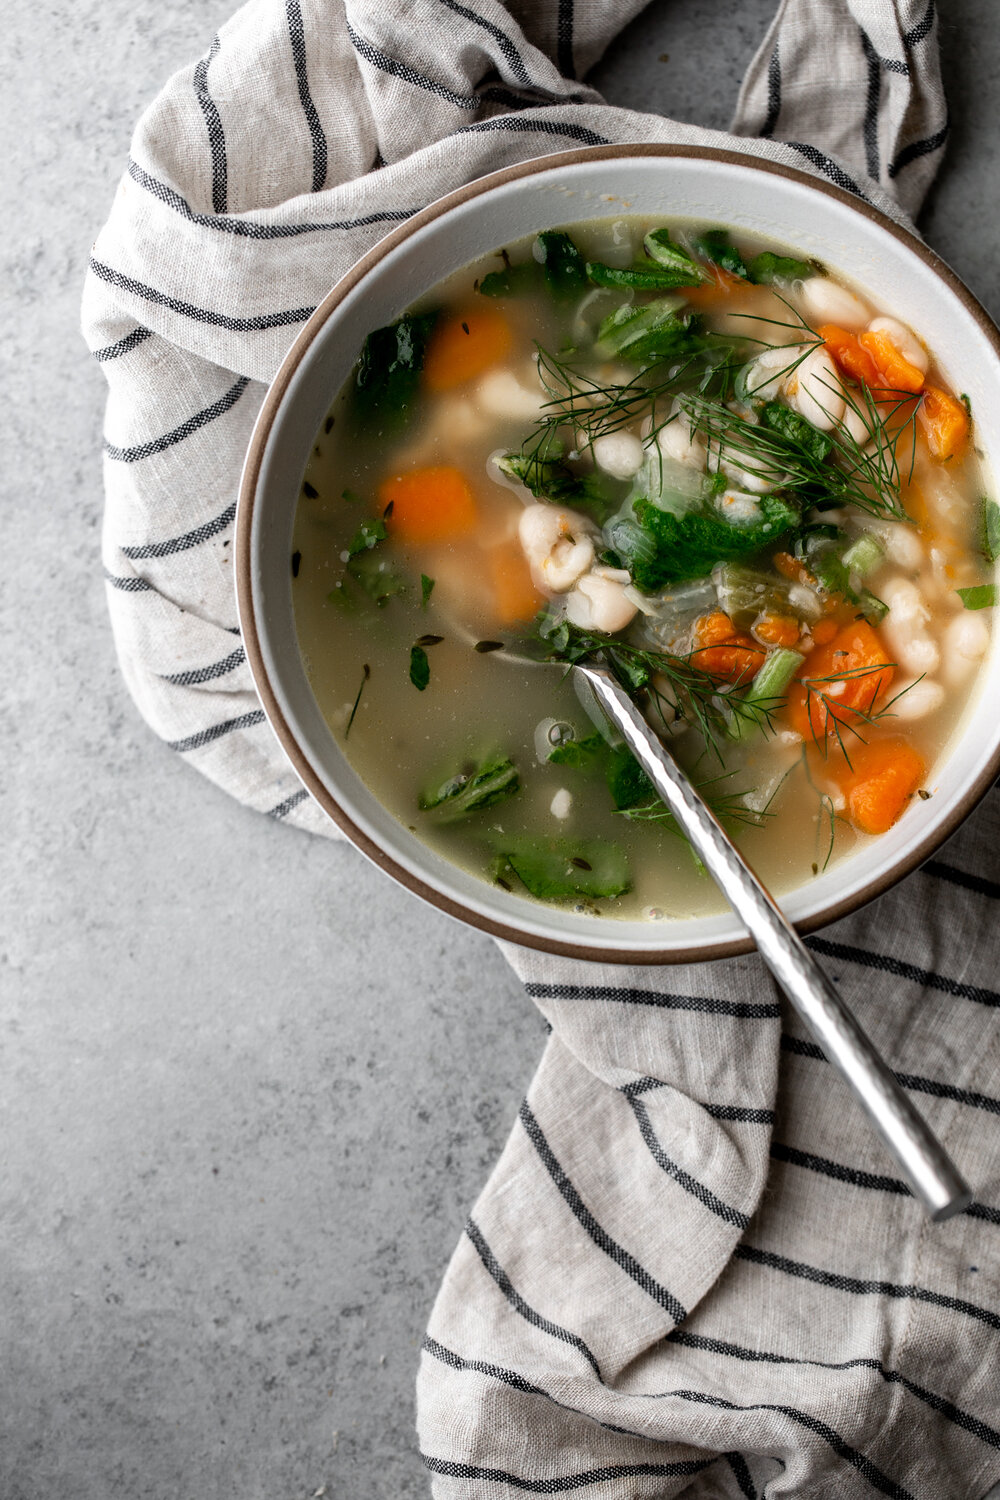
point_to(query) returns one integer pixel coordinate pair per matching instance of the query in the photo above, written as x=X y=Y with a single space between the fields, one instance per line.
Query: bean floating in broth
x=706 y=459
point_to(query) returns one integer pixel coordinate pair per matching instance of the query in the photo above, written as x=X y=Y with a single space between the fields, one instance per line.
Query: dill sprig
x=728 y=806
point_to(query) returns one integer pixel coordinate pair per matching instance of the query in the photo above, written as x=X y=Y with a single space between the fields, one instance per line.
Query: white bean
x=766 y=375
x=966 y=637
x=906 y=604
x=676 y=441
x=599 y=604
x=903 y=545
x=558 y=545
x=619 y=454
x=903 y=339
x=561 y=803
x=736 y=505
x=916 y=699
x=826 y=301
x=813 y=389
x=854 y=424
x=502 y=394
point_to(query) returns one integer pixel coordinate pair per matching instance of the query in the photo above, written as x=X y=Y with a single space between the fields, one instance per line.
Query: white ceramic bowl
x=904 y=278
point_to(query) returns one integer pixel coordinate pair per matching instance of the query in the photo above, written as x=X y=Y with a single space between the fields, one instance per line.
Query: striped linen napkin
x=681 y=1278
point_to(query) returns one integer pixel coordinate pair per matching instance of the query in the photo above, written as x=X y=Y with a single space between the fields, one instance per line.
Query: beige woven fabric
x=692 y=1272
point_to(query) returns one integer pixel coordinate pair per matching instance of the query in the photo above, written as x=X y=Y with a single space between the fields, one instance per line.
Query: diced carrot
x=897 y=374
x=775 y=630
x=840 y=683
x=945 y=422
x=465 y=346
x=849 y=354
x=880 y=781
x=823 y=631
x=711 y=292
x=515 y=597
x=787 y=565
x=429 y=505
x=723 y=651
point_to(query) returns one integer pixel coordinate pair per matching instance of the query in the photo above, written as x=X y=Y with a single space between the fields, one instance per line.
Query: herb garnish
x=366 y=672
x=426 y=589
x=420 y=668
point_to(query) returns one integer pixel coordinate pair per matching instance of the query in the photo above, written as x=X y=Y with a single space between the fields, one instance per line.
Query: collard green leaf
x=627 y=781
x=689 y=546
x=557 y=869
x=471 y=791
x=717 y=247
x=548 y=478
x=794 y=427
x=388 y=373
x=673 y=258
x=563 y=267
x=781 y=270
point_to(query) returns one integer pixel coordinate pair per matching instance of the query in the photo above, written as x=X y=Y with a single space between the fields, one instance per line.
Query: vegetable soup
x=712 y=464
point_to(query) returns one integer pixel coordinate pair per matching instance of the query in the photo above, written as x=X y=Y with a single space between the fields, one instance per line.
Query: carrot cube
x=429 y=505
x=464 y=346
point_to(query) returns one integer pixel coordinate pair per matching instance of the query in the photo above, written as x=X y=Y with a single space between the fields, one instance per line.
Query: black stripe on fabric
x=247 y=228
x=706 y=1004
x=507 y=47
x=893 y=65
x=128 y=585
x=773 y=94
x=940 y=871
x=516 y=1381
x=206 y=674
x=903 y=970
x=742 y=1474
x=829 y=168
x=544 y=127
x=598 y=1234
x=836 y=1169
x=859 y=1461
x=182 y=543
x=922 y=28
x=940 y=1404
x=284 y=808
x=916 y=149
x=213 y=124
x=386 y=64
x=933 y=1086
x=216 y=732
x=199 y=314
x=564 y=39
x=860 y=1288
x=984 y=1211
x=124 y=346
x=156 y=445
x=559 y=1484
x=297 y=36
x=517 y=1302
x=698 y=1190
x=744 y=1114
x=869 y=127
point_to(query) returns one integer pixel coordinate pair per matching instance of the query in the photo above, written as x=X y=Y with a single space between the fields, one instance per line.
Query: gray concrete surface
x=249 y=1088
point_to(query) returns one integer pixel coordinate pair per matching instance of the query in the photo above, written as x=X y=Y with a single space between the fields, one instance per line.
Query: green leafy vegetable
x=367 y=536
x=982 y=596
x=797 y=430
x=389 y=371
x=991 y=529
x=580 y=755
x=646 y=334
x=471 y=791
x=549 y=478
x=420 y=668
x=562 y=265
x=641 y=276
x=376 y=576
x=689 y=546
x=627 y=781
x=426 y=589
x=557 y=869
x=512 y=281
x=673 y=258
x=781 y=270
x=717 y=247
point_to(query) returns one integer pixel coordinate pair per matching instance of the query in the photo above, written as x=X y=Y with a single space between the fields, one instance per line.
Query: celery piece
x=745 y=592
x=873 y=608
x=864 y=554
x=764 y=693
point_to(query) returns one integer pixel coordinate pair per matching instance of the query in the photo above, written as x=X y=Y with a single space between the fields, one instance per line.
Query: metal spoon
x=922 y=1159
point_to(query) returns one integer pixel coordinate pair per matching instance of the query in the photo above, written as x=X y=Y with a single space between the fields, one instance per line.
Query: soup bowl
x=902 y=278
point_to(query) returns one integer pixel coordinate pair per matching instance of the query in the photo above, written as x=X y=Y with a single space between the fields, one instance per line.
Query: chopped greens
x=717 y=247
x=472 y=790
x=557 y=869
x=426 y=589
x=689 y=546
x=990 y=529
x=367 y=536
x=549 y=478
x=420 y=668
x=377 y=576
x=388 y=372
x=562 y=265
x=981 y=596
x=781 y=270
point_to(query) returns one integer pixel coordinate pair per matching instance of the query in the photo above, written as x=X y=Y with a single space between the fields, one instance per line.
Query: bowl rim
x=245 y=510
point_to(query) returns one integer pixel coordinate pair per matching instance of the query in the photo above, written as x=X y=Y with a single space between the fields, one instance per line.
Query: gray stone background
x=235 y=1161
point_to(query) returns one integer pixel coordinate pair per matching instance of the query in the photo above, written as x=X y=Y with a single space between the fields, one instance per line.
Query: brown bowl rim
x=921 y=851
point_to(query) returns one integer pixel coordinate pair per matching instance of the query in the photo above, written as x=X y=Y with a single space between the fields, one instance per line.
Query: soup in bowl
x=683 y=426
